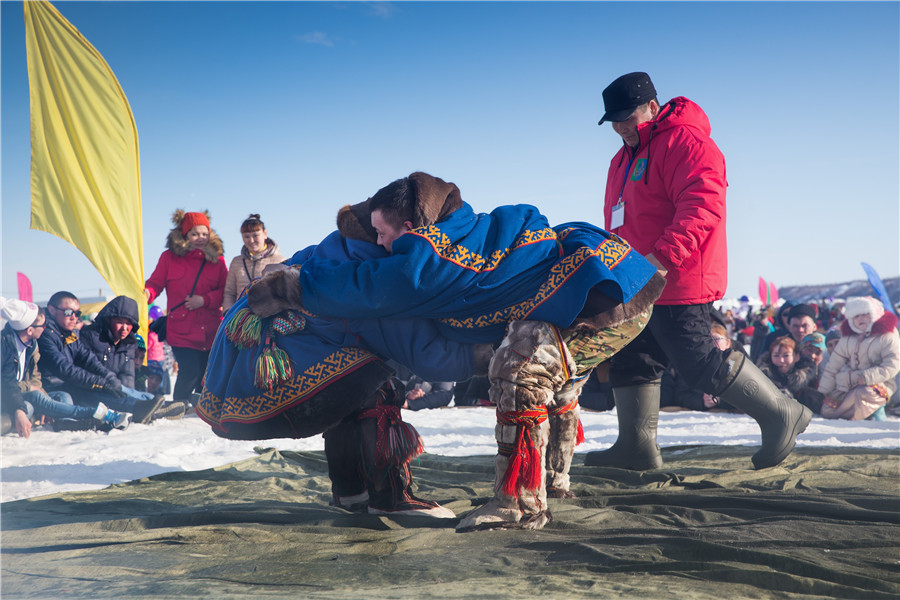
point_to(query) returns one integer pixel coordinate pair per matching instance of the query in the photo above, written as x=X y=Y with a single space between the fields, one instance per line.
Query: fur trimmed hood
x=886 y=324
x=434 y=200
x=177 y=243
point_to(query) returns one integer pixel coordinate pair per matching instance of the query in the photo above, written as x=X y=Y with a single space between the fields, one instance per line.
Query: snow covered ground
x=50 y=462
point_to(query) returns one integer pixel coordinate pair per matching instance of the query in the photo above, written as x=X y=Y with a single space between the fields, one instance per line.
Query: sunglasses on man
x=68 y=312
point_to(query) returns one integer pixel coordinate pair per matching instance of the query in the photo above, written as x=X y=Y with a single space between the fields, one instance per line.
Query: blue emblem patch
x=639 y=167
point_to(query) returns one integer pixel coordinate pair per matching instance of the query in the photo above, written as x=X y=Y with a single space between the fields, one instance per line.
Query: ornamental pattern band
x=259 y=407
x=610 y=252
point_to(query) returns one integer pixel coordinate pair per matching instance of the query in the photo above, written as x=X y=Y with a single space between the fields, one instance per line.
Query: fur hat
x=18 y=313
x=355 y=222
x=434 y=200
x=861 y=306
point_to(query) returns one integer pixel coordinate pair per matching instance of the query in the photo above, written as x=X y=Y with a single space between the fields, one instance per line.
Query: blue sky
x=292 y=109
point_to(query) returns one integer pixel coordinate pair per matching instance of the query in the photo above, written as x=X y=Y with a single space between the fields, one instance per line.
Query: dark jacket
x=799 y=382
x=12 y=388
x=118 y=358
x=66 y=361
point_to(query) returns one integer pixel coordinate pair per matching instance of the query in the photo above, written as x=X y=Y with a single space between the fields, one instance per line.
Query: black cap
x=625 y=94
x=802 y=310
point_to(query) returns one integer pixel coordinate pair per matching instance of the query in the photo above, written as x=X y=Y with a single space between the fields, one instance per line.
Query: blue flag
x=878 y=286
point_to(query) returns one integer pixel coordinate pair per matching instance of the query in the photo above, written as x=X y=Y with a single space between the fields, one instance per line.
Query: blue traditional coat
x=475 y=273
x=325 y=351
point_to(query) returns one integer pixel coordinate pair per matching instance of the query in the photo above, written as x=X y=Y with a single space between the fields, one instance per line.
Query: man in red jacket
x=665 y=195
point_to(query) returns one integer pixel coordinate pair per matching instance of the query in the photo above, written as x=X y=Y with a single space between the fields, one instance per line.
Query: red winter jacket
x=674 y=198
x=175 y=272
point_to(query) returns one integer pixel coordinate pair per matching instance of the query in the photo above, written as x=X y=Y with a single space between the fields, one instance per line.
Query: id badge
x=617 y=219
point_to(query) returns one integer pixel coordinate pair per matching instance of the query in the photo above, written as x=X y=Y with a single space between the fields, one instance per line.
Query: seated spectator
x=782 y=327
x=831 y=339
x=68 y=365
x=149 y=377
x=762 y=328
x=859 y=378
x=420 y=393
x=111 y=338
x=812 y=346
x=792 y=373
x=22 y=395
x=676 y=393
x=427 y=394
x=802 y=321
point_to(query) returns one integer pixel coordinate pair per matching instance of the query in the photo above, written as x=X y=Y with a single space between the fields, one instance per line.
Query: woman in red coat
x=192 y=271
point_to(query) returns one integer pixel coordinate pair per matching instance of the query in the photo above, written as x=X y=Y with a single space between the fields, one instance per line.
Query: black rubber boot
x=637 y=408
x=780 y=417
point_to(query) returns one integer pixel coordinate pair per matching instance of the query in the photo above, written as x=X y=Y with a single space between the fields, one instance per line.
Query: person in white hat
x=23 y=395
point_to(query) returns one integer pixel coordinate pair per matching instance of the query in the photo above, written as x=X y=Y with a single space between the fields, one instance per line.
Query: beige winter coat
x=875 y=357
x=245 y=268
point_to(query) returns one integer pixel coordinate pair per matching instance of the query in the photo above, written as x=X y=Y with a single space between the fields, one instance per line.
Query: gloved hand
x=274 y=293
x=113 y=386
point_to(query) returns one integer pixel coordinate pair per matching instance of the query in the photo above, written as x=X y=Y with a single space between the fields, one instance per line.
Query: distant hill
x=861 y=287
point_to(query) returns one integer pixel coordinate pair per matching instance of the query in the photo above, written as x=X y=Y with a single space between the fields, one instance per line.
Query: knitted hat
x=833 y=334
x=140 y=342
x=816 y=340
x=191 y=220
x=860 y=306
x=18 y=313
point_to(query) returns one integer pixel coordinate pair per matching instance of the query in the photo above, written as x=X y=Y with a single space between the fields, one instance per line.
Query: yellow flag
x=85 y=173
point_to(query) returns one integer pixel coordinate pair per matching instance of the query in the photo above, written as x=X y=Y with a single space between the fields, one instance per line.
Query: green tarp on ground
x=824 y=524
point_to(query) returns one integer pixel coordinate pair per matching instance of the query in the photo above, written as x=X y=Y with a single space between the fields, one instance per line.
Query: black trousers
x=191 y=369
x=679 y=335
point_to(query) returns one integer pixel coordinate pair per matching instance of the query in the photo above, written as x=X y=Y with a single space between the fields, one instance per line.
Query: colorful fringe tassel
x=524 y=468
x=244 y=329
x=397 y=441
x=273 y=367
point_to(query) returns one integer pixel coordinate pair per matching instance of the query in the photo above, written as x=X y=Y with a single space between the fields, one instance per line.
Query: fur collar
x=886 y=324
x=176 y=242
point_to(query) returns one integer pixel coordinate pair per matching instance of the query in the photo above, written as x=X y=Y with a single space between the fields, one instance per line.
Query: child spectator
x=812 y=346
x=859 y=377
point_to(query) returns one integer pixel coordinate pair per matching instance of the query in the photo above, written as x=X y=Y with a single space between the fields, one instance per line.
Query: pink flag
x=763 y=292
x=773 y=294
x=24 y=287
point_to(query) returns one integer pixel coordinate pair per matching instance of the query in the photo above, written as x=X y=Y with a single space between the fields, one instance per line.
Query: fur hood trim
x=177 y=243
x=886 y=324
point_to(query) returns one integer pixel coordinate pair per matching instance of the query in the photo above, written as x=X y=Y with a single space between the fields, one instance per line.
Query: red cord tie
x=579 y=436
x=524 y=468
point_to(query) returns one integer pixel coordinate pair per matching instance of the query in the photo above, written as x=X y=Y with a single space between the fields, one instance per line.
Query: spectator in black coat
x=111 y=338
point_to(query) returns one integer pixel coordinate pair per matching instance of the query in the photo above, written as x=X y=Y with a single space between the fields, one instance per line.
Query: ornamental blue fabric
x=325 y=351
x=475 y=273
